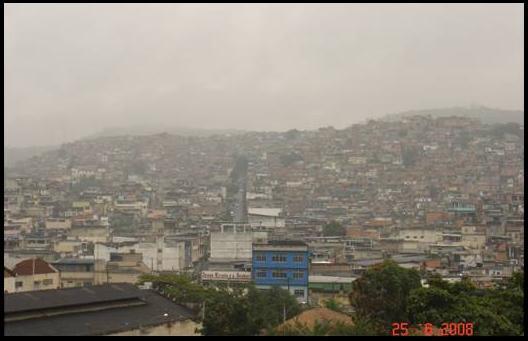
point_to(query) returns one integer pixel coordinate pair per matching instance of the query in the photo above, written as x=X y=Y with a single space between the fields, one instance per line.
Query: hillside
x=153 y=130
x=14 y=155
x=486 y=115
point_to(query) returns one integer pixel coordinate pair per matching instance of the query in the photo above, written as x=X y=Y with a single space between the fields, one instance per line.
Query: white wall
x=420 y=235
x=229 y=245
x=171 y=257
x=9 y=284
x=259 y=220
x=58 y=224
x=28 y=282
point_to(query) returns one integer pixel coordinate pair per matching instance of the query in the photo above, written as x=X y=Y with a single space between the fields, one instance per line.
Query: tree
x=179 y=288
x=332 y=304
x=248 y=313
x=268 y=306
x=226 y=314
x=242 y=310
x=334 y=228
x=498 y=311
x=381 y=293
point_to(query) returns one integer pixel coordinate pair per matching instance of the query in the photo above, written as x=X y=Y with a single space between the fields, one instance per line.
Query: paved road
x=240 y=206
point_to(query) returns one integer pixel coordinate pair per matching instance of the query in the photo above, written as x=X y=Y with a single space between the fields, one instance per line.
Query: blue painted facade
x=288 y=269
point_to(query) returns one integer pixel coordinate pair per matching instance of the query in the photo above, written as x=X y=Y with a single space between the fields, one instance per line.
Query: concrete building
x=9 y=280
x=157 y=255
x=58 y=224
x=77 y=272
x=233 y=242
x=122 y=268
x=70 y=248
x=94 y=234
x=35 y=274
x=266 y=217
x=284 y=264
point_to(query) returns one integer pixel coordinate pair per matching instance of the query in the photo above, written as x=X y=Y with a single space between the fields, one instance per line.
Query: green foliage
x=516 y=281
x=248 y=313
x=334 y=228
x=268 y=306
x=239 y=310
x=226 y=314
x=381 y=293
x=496 y=311
x=180 y=288
x=333 y=305
x=386 y=293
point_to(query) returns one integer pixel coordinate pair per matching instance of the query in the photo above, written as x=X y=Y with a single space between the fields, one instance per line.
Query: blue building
x=284 y=264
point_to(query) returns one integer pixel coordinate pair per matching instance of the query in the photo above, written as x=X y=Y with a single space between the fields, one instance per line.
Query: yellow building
x=35 y=274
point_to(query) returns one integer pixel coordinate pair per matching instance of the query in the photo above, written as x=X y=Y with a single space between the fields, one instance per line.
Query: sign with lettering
x=235 y=276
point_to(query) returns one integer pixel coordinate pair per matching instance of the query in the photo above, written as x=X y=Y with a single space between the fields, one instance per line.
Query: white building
x=159 y=255
x=9 y=280
x=58 y=224
x=233 y=242
x=266 y=217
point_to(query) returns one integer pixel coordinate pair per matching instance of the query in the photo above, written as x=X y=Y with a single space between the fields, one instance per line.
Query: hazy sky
x=72 y=70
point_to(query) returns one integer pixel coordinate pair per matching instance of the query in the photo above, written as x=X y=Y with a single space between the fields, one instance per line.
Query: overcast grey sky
x=72 y=70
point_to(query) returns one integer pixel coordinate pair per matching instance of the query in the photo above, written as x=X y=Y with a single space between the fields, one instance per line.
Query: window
x=298 y=275
x=298 y=259
x=47 y=282
x=19 y=284
x=278 y=274
x=299 y=292
x=261 y=274
x=260 y=258
x=36 y=283
x=279 y=258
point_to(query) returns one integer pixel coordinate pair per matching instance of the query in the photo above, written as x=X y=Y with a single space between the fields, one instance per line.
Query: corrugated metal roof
x=156 y=310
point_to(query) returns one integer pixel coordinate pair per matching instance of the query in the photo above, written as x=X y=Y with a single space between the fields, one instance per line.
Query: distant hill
x=14 y=155
x=152 y=130
x=486 y=115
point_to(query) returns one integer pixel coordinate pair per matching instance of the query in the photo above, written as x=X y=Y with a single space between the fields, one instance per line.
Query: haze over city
x=73 y=70
x=264 y=170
